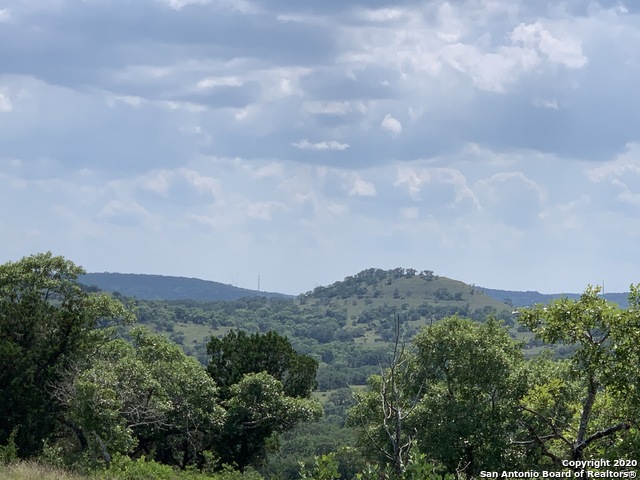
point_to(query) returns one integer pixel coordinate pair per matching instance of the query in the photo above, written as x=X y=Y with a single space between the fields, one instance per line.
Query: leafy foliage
x=238 y=354
x=265 y=385
x=47 y=323
x=591 y=404
x=472 y=381
x=143 y=397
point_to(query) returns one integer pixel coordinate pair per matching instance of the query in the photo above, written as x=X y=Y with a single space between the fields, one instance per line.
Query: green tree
x=264 y=385
x=588 y=406
x=47 y=323
x=256 y=410
x=146 y=397
x=471 y=381
x=238 y=354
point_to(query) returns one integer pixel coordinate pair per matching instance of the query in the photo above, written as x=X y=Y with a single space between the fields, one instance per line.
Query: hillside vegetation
x=163 y=287
x=346 y=326
x=386 y=375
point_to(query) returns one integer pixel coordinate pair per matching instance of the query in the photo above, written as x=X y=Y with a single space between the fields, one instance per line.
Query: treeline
x=83 y=389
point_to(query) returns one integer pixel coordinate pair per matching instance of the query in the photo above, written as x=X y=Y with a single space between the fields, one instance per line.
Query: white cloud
x=157 y=181
x=264 y=210
x=409 y=212
x=458 y=181
x=5 y=102
x=627 y=162
x=362 y=188
x=629 y=198
x=180 y=4
x=120 y=208
x=272 y=169
x=565 y=51
x=412 y=178
x=325 y=145
x=213 y=82
x=490 y=71
x=202 y=183
x=383 y=14
x=336 y=209
x=241 y=6
x=5 y=15
x=391 y=125
x=248 y=113
x=551 y=104
x=567 y=216
x=452 y=28
x=513 y=178
x=327 y=108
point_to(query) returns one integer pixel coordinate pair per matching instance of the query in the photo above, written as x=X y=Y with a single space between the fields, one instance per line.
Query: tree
x=47 y=323
x=144 y=398
x=471 y=385
x=238 y=354
x=383 y=413
x=589 y=405
x=257 y=409
x=264 y=385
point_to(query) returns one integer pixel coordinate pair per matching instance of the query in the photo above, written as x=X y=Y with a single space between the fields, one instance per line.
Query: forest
x=388 y=374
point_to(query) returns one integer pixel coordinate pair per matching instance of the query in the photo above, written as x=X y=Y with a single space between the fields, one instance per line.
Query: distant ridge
x=163 y=287
x=524 y=299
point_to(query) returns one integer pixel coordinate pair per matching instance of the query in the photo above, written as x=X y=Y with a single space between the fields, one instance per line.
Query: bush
x=124 y=468
x=9 y=452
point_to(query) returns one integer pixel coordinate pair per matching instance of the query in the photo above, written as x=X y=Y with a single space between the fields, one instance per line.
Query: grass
x=35 y=471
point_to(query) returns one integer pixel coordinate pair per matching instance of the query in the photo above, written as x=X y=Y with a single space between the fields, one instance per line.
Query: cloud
x=412 y=178
x=5 y=102
x=391 y=125
x=362 y=188
x=213 y=82
x=269 y=170
x=455 y=134
x=264 y=210
x=545 y=103
x=409 y=212
x=564 y=51
x=327 y=108
x=621 y=165
x=119 y=209
x=325 y=145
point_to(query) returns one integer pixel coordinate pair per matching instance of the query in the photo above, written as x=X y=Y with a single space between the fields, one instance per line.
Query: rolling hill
x=524 y=299
x=161 y=287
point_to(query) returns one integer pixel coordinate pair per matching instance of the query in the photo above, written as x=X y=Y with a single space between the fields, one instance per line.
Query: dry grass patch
x=35 y=471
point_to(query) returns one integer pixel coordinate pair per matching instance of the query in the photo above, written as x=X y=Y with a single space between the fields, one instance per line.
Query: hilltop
x=163 y=287
x=419 y=296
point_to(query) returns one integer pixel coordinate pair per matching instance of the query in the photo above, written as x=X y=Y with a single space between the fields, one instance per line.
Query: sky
x=496 y=142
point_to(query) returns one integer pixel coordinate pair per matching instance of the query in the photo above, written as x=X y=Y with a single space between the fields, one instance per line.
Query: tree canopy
x=238 y=354
x=589 y=405
x=265 y=385
x=47 y=322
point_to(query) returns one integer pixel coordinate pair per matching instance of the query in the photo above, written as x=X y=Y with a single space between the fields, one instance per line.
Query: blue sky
x=492 y=141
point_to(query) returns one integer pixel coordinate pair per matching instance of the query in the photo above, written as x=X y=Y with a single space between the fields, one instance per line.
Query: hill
x=524 y=299
x=347 y=326
x=161 y=287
